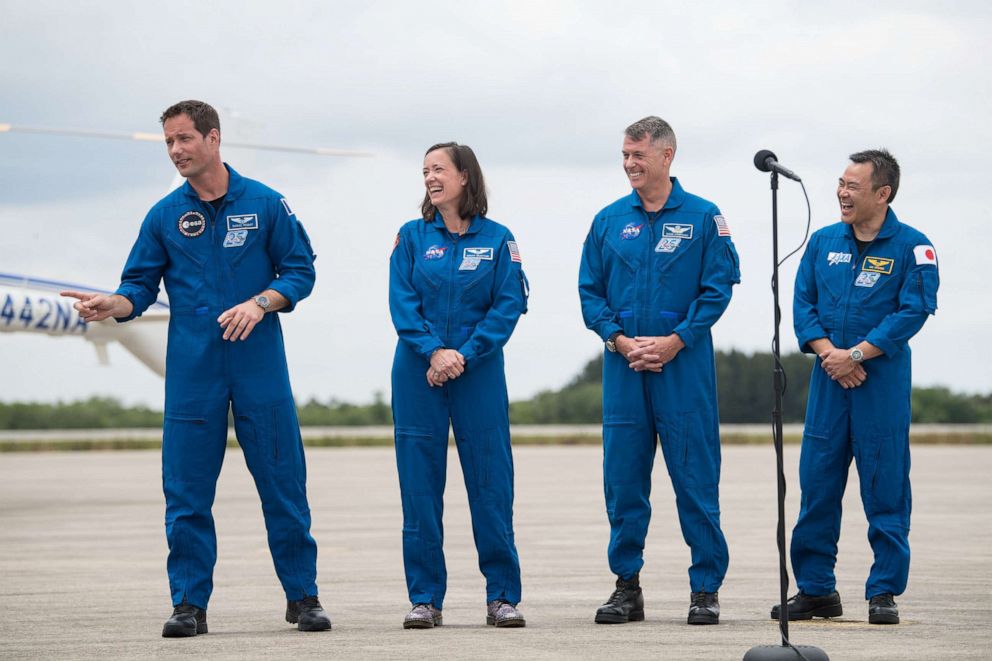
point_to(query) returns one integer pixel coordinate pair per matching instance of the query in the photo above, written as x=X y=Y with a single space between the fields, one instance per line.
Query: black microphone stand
x=785 y=651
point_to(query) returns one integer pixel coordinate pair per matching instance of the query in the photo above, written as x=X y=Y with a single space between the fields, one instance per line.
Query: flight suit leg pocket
x=417 y=462
x=702 y=450
x=885 y=485
x=624 y=457
x=191 y=451
x=287 y=443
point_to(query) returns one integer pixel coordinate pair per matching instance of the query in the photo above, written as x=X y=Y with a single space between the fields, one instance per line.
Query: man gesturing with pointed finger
x=231 y=252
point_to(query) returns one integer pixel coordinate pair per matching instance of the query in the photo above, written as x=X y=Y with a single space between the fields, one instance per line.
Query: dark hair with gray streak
x=203 y=115
x=659 y=130
x=885 y=169
x=474 y=200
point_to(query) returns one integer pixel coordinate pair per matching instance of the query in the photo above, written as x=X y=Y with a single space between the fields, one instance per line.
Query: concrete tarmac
x=82 y=563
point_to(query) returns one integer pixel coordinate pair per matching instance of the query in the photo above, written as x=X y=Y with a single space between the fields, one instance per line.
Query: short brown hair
x=203 y=115
x=474 y=200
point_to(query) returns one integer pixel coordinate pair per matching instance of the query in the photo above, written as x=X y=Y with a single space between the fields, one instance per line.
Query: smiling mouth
x=635 y=175
x=846 y=206
x=183 y=162
x=434 y=190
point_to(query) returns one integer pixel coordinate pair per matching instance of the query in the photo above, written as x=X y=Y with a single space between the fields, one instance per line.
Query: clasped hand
x=446 y=364
x=649 y=353
x=838 y=365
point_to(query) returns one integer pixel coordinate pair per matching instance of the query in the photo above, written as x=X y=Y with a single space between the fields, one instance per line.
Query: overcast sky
x=542 y=91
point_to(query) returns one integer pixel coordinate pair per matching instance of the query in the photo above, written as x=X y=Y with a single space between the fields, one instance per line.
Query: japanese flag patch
x=925 y=255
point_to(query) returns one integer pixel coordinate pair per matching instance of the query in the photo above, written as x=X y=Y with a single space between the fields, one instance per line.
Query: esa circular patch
x=192 y=224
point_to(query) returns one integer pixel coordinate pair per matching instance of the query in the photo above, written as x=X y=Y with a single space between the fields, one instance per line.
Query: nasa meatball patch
x=192 y=224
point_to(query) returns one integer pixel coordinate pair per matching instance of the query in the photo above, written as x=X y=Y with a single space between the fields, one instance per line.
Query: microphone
x=766 y=161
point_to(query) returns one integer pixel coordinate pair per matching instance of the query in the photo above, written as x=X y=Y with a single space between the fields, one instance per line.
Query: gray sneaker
x=504 y=614
x=423 y=616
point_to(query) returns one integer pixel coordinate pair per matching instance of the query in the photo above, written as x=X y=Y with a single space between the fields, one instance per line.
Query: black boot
x=626 y=604
x=308 y=613
x=805 y=607
x=882 y=609
x=186 y=621
x=704 y=608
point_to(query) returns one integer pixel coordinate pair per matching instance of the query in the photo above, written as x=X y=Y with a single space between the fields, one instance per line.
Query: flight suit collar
x=675 y=197
x=235 y=186
x=474 y=225
x=890 y=226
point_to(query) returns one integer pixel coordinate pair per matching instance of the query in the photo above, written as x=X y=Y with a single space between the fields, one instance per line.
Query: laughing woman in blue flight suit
x=865 y=286
x=456 y=290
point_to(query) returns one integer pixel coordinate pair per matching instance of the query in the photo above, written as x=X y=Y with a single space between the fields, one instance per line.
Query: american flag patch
x=721 y=226
x=514 y=252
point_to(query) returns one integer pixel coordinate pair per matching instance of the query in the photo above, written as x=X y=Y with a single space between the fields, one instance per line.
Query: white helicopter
x=30 y=304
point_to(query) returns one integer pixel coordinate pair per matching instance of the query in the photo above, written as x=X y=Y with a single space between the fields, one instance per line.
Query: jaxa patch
x=676 y=231
x=667 y=245
x=248 y=221
x=834 y=258
x=192 y=224
x=285 y=205
x=435 y=252
x=235 y=238
x=630 y=231
x=878 y=265
x=479 y=254
x=867 y=279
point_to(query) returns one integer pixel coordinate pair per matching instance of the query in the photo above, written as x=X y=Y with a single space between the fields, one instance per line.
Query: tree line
x=743 y=383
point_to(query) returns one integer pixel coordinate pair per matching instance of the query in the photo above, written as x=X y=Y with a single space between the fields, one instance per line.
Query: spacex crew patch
x=192 y=224
x=235 y=238
x=667 y=245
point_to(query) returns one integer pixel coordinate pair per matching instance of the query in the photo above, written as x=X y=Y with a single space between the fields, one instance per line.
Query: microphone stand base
x=783 y=653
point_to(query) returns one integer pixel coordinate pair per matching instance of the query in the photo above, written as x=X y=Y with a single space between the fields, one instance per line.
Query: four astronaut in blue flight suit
x=456 y=291
x=657 y=271
x=865 y=286
x=230 y=250
x=658 y=268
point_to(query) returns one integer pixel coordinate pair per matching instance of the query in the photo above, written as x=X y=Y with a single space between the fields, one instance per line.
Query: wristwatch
x=857 y=355
x=263 y=302
x=611 y=342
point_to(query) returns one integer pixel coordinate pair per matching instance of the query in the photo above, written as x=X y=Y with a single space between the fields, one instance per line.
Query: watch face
x=857 y=355
x=611 y=346
x=262 y=301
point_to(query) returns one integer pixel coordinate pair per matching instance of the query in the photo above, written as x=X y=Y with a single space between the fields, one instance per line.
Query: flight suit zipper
x=451 y=287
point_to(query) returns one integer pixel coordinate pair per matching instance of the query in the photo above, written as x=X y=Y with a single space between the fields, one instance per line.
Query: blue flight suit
x=211 y=261
x=465 y=293
x=883 y=296
x=672 y=274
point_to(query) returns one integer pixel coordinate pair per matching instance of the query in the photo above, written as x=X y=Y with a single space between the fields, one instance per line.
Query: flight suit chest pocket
x=625 y=254
x=188 y=250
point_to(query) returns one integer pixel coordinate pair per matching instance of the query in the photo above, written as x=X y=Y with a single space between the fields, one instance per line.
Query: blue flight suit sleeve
x=917 y=301
x=720 y=272
x=144 y=268
x=405 y=306
x=510 y=292
x=805 y=318
x=596 y=311
x=292 y=256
